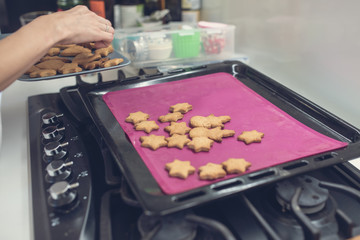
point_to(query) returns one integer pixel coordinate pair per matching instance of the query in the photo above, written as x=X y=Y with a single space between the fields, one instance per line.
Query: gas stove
x=79 y=192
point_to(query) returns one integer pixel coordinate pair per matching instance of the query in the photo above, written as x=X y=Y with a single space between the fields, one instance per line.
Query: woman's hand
x=31 y=42
x=80 y=25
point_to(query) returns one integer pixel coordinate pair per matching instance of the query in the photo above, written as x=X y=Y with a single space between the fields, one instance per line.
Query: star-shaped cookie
x=171 y=117
x=146 y=126
x=137 y=117
x=111 y=62
x=199 y=132
x=84 y=58
x=236 y=165
x=177 y=128
x=200 y=144
x=200 y=121
x=178 y=141
x=153 y=141
x=70 y=68
x=217 y=134
x=250 y=136
x=181 y=107
x=218 y=121
x=211 y=171
x=105 y=51
x=179 y=169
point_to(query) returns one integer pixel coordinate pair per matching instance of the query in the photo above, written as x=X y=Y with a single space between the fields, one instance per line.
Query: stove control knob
x=51 y=118
x=53 y=133
x=55 y=149
x=63 y=195
x=58 y=170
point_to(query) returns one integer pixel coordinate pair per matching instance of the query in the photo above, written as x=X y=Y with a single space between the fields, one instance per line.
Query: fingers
x=101 y=44
x=79 y=9
x=82 y=25
x=104 y=20
x=109 y=29
x=105 y=25
x=106 y=28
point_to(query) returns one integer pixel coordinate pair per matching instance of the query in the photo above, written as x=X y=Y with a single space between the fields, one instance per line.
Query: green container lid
x=186 y=44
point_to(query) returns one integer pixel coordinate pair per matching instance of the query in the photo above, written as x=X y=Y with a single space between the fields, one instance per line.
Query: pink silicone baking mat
x=285 y=139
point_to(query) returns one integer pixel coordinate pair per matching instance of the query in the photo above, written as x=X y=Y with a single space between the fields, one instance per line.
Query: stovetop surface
x=97 y=203
x=234 y=213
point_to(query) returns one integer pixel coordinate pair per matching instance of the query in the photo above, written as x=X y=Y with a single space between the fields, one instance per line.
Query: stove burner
x=174 y=227
x=312 y=198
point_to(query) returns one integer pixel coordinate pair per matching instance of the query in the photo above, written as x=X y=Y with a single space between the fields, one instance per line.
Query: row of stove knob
x=62 y=193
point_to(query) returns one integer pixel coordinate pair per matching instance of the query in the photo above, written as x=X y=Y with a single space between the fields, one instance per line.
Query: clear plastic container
x=175 y=43
x=159 y=46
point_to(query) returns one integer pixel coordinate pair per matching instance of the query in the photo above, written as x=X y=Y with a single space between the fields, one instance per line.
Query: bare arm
x=26 y=46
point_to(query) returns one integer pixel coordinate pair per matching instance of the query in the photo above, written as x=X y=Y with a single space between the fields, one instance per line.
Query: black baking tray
x=144 y=186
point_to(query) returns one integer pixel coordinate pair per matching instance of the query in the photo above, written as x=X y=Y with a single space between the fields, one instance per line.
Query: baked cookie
x=146 y=126
x=54 y=51
x=217 y=134
x=181 y=107
x=200 y=144
x=250 y=136
x=177 y=128
x=235 y=165
x=70 y=68
x=93 y=64
x=171 y=117
x=32 y=69
x=218 y=121
x=200 y=121
x=178 y=141
x=227 y=133
x=50 y=64
x=111 y=62
x=137 y=117
x=199 y=132
x=84 y=58
x=179 y=169
x=63 y=46
x=104 y=51
x=43 y=73
x=90 y=45
x=64 y=59
x=153 y=141
x=74 y=50
x=211 y=171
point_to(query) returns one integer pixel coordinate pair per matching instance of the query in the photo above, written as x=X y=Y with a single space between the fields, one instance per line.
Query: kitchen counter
x=15 y=205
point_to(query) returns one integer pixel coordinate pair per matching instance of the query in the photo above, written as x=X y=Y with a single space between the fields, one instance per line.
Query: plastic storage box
x=176 y=43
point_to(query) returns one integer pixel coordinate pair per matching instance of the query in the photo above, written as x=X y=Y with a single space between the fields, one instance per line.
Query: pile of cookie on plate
x=73 y=58
x=203 y=132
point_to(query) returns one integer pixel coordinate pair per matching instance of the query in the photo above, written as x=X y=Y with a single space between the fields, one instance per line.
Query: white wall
x=311 y=46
